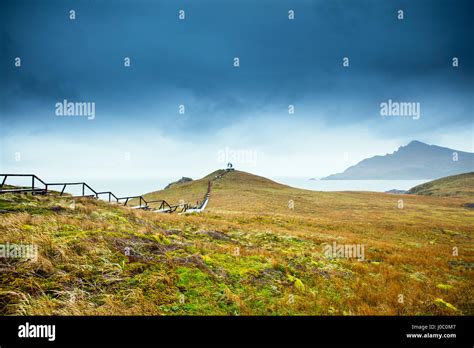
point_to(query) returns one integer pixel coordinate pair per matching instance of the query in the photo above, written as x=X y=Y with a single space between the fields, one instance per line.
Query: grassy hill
x=231 y=182
x=455 y=185
x=258 y=249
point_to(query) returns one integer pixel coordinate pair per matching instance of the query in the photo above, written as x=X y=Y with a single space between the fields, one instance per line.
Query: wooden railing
x=142 y=202
x=35 y=189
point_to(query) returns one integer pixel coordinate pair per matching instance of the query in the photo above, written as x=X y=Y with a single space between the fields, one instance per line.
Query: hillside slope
x=249 y=253
x=455 y=185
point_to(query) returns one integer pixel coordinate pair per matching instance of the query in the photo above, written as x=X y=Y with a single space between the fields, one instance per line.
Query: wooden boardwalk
x=40 y=187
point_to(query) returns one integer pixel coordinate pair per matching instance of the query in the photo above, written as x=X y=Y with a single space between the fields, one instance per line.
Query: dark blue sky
x=283 y=62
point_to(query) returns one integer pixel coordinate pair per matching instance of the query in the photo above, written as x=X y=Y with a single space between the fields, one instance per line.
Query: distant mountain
x=180 y=181
x=396 y=192
x=414 y=161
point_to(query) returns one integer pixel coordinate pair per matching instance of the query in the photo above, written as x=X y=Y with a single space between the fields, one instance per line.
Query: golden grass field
x=257 y=249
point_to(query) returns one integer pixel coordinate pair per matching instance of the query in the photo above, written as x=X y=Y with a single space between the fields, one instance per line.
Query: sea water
x=348 y=185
